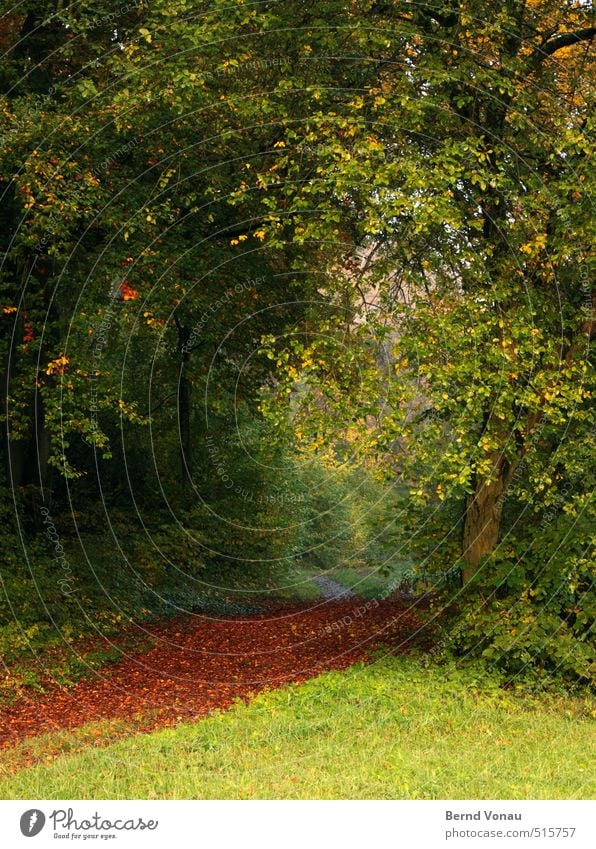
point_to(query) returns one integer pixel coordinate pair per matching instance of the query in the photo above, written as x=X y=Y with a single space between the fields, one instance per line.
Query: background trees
x=377 y=213
x=456 y=176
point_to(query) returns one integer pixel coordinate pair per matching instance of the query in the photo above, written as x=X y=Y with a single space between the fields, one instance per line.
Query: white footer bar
x=299 y=825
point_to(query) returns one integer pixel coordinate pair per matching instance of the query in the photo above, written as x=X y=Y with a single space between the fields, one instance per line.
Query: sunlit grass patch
x=393 y=729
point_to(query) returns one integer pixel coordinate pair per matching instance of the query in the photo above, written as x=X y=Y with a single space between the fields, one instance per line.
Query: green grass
x=295 y=585
x=394 y=729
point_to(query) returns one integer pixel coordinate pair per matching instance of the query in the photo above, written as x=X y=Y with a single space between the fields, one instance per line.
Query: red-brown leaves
x=199 y=664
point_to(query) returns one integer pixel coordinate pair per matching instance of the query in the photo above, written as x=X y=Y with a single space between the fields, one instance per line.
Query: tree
x=461 y=166
x=117 y=224
x=445 y=180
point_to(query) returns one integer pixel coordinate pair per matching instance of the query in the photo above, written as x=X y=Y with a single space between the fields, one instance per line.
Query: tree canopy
x=257 y=248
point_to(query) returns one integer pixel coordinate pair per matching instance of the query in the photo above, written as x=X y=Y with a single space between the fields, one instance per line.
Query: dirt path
x=199 y=664
x=331 y=589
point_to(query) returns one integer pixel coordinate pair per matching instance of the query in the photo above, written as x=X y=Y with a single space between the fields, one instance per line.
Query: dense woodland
x=285 y=286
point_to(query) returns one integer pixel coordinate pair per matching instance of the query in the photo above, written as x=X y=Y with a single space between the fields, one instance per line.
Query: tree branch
x=565 y=40
x=161 y=403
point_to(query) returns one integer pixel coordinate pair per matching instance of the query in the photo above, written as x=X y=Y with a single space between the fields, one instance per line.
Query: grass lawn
x=394 y=729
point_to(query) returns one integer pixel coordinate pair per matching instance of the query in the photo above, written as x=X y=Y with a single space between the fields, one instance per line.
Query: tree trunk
x=39 y=450
x=482 y=523
x=184 y=404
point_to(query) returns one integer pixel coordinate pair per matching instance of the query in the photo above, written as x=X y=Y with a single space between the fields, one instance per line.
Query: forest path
x=331 y=589
x=198 y=664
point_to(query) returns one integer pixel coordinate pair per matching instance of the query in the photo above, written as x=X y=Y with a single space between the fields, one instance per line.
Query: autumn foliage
x=199 y=664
